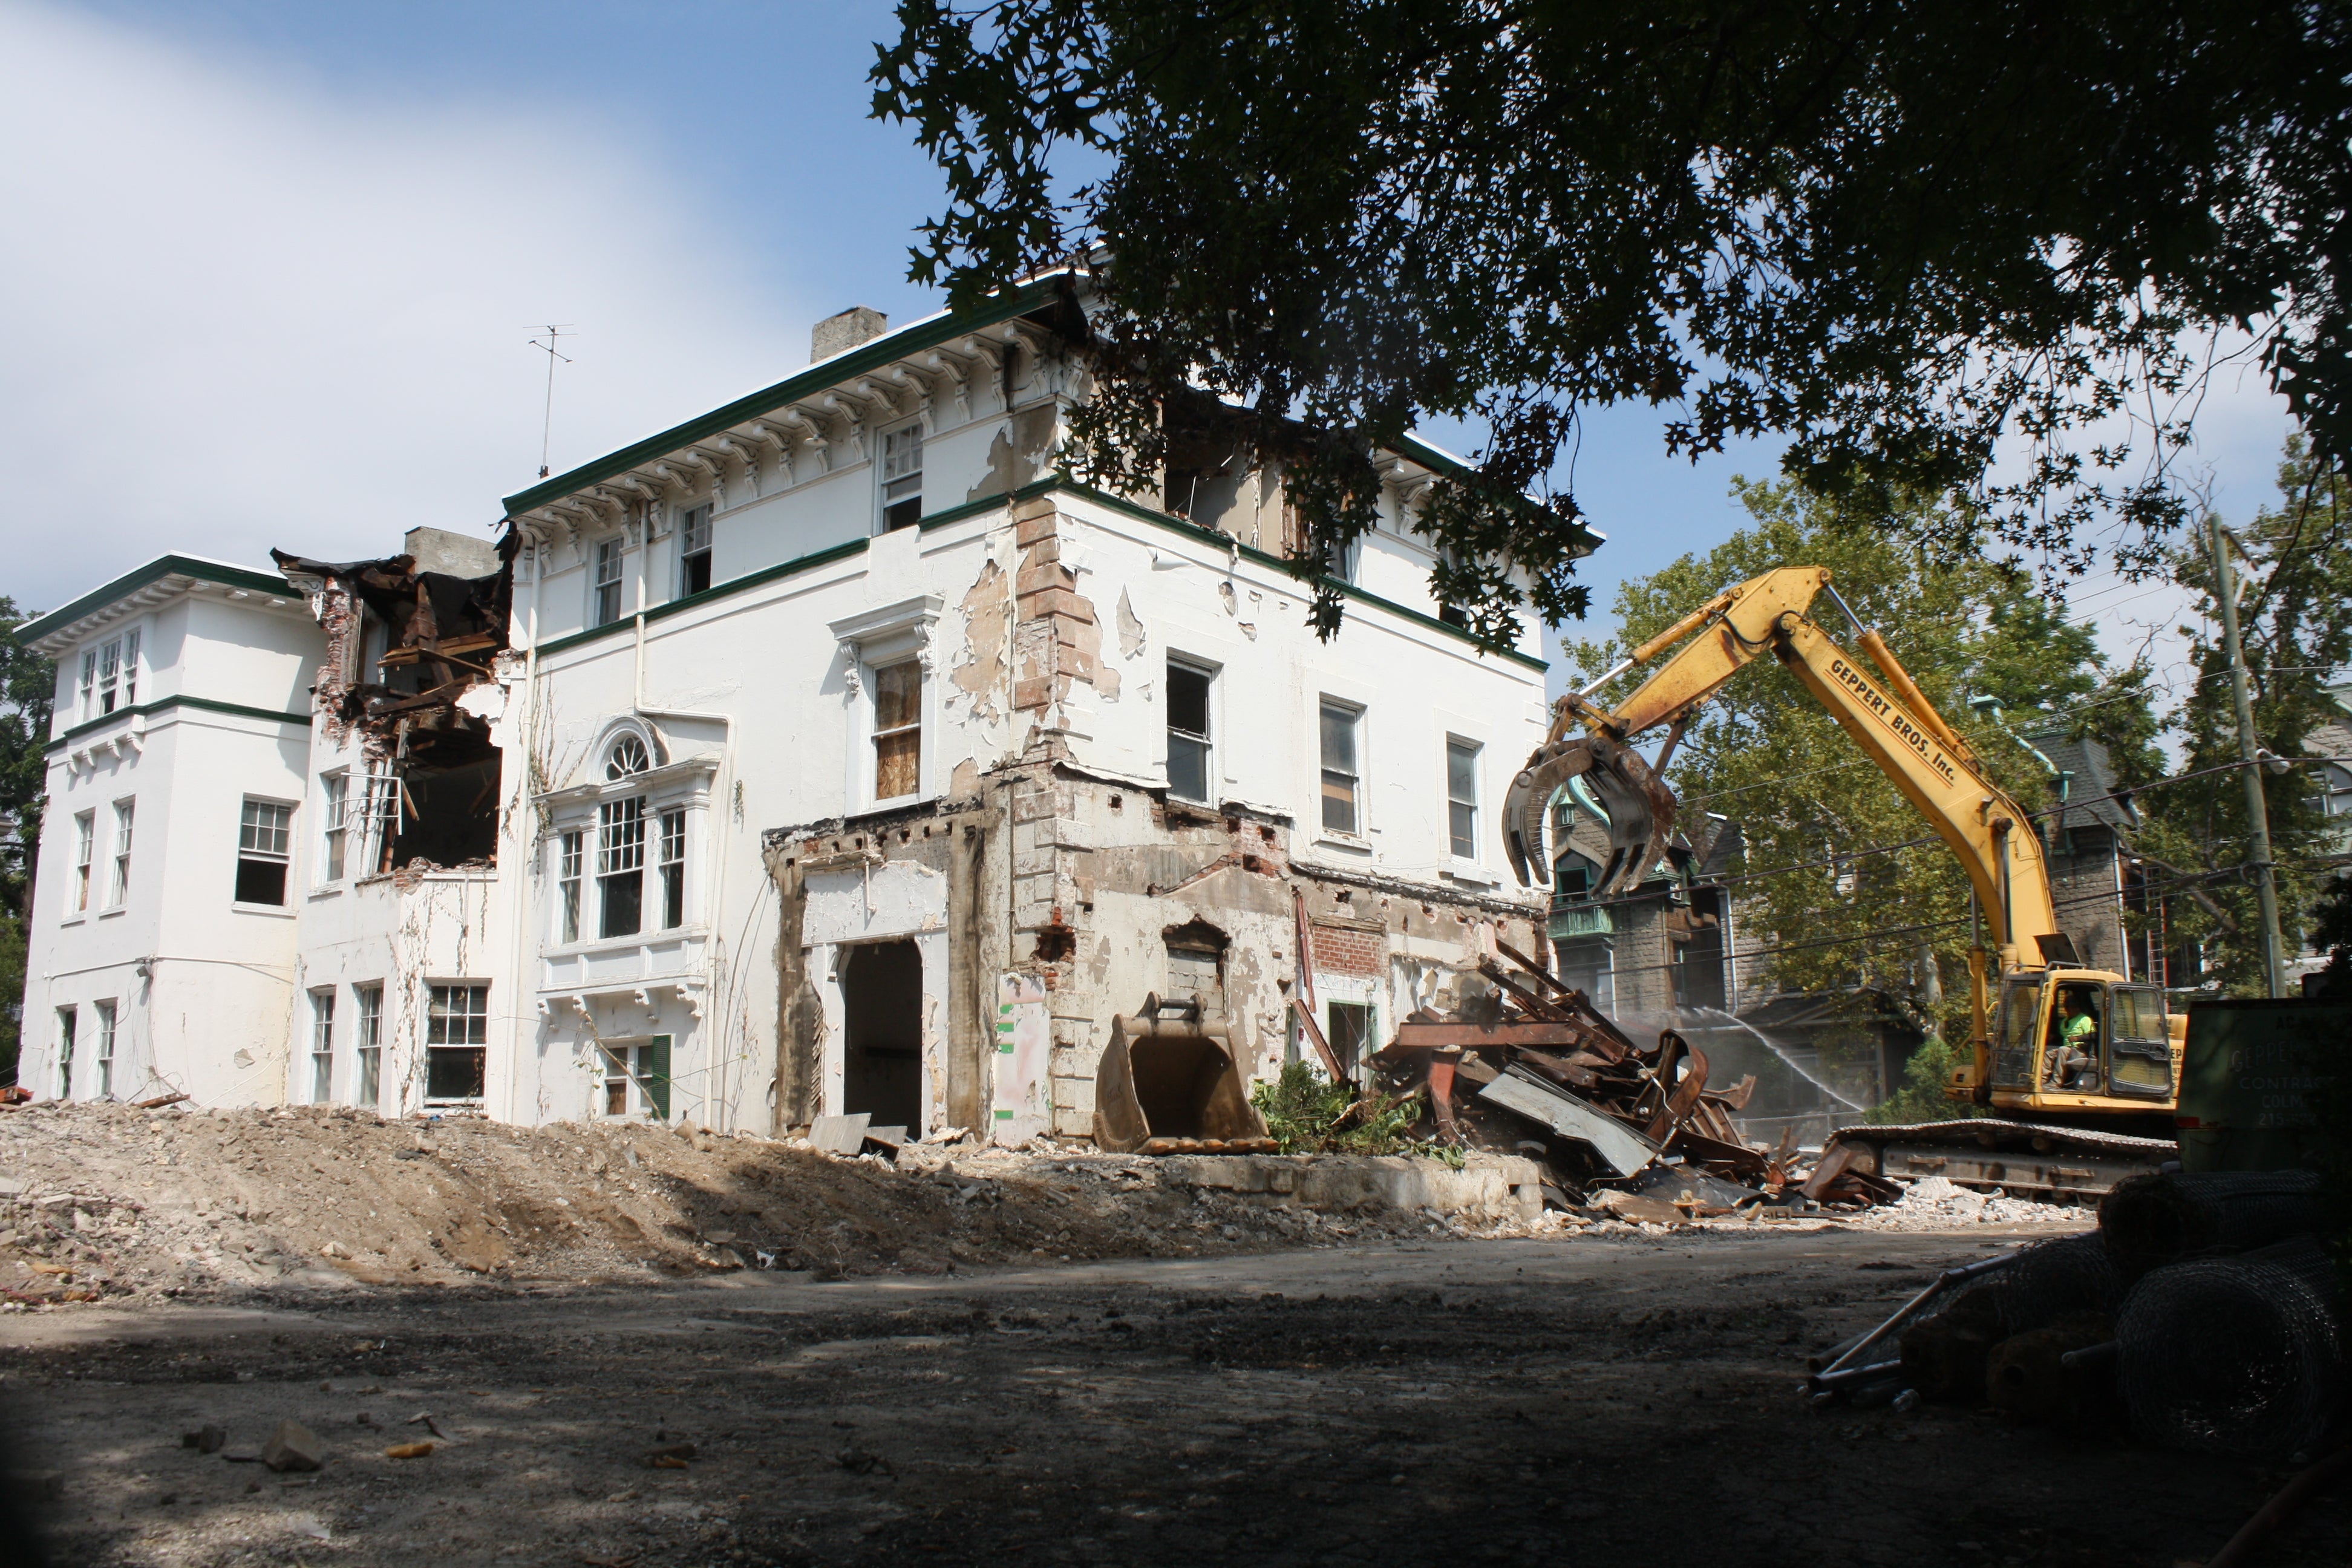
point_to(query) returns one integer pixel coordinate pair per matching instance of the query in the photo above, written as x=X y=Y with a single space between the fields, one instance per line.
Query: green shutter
x=654 y=1075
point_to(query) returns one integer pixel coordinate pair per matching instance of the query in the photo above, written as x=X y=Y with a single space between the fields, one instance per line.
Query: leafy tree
x=28 y=683
x=2294 y=616
x=1900 y=233
x=1840 y=871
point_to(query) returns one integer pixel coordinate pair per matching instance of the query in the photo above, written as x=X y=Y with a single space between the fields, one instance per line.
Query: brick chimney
x=839 y=335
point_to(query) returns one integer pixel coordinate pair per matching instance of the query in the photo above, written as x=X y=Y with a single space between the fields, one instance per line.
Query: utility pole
x=2258 y=819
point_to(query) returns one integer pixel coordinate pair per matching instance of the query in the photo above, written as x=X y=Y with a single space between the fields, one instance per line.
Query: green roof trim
x=1443 y=462
x=155 y=571
x=750 y=580
x=165 y=705
x=869 y=356
x=1006 y=501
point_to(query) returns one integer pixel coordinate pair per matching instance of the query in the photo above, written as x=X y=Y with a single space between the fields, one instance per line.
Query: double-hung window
x=902 y=478
x=106 y=1050
x=68 y=1020
x=621 y=866
x=694 y=550
x=110 y=675
x=456 y=1041
x=1462 y=799
x=369 y=1053
x=322 y=1047
x=637 y=1079
x=265 y=842
x=897 y=731
x=673 y=869
x=87 y=687
x=607 y=610
x=1190 y=753
x=1342 y=782
x=335 y=816
x=85 y=851
x=119 y=888
x=570 y=857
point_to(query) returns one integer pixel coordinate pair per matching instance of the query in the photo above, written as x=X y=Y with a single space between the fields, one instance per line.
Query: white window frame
x=284 y=857
x=681 y=786
x=334 y=825
x=669 y=866
x=694 y=538
x=893 y=470
x=85 y=856
x=367 y=1054
x=322 y=1045
x=69 y=1019
x=1327 y=702
x=86 y=689
x=1208 y=672
x=118 y=884
x=109 y=1020
x=614 y=551
x=570 y=884
x=443 y=1022
x=1476 y=803
x=874 y=640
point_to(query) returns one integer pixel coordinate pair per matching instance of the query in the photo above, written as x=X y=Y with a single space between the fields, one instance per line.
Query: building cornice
x=136 y=591
x=124 y=716
x=740 y=420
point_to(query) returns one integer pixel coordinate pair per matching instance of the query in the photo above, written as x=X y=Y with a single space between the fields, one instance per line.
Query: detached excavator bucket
x=1639 y=807
x=1173 y=1079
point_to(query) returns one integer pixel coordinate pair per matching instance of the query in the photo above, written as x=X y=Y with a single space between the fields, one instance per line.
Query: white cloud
x=237 y=311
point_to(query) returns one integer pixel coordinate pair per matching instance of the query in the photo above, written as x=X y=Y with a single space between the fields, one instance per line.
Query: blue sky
x=293 y=252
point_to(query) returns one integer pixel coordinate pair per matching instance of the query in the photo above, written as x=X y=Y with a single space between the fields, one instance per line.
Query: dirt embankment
x=99 y=1201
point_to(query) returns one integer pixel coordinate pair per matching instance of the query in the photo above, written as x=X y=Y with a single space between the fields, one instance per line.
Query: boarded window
x=897 y=729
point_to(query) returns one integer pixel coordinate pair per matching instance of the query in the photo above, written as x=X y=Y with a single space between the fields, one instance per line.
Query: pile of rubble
x=99 y=1202
x=1632 y=1130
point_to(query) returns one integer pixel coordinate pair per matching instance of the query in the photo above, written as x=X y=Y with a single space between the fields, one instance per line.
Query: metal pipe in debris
x=1944 y=1281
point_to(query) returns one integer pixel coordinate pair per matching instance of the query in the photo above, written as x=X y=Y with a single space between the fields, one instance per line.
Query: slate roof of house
x=2091 y=795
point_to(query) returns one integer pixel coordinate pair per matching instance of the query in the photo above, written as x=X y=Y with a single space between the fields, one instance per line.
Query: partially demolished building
x=835 y=752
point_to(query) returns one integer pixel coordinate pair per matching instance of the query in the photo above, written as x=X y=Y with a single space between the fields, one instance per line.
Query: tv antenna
x=555 y=332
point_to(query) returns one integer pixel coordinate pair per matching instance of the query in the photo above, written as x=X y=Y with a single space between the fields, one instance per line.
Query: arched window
x=627 y=756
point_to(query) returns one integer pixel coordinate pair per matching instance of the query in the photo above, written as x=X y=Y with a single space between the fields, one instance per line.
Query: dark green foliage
x=27 y=685
x=1309 y=1114
x=1897 y=233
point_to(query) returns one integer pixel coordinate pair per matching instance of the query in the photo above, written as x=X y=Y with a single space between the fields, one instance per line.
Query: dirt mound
x=107 y=1199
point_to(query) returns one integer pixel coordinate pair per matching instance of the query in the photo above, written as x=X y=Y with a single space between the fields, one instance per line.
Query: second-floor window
x=694 y=550
x=120 y=888
x=1189 y=752
x=264 y=843
x=607 y=583
x=902 y=478
x=570 y=857
x=335 y=809
x=85 y=851
x=673 y=869
x=1342 y=784
x=621 y=866
x=897 y=731
x=1462 y=799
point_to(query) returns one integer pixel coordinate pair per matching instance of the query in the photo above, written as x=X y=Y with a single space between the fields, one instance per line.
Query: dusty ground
x=1597 y=1400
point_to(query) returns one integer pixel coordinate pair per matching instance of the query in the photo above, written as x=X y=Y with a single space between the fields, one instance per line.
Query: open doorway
x=882 y=1044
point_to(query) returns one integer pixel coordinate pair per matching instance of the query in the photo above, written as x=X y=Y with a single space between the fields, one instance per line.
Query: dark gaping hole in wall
x=882 y=1037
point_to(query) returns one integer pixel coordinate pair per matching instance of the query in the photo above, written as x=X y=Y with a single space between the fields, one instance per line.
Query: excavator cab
x=2126 y=1054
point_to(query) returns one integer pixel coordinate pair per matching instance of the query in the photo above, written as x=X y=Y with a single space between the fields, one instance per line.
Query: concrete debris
x=293 y=1446
x=207 y=1440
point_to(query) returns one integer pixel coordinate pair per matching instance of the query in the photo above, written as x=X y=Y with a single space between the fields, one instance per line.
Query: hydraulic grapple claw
x=1639 y=807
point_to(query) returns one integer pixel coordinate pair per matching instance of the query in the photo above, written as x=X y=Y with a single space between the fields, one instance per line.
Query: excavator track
x=2019 y=1157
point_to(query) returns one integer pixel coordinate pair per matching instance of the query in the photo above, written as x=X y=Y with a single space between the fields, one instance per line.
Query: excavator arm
x=1884 y=713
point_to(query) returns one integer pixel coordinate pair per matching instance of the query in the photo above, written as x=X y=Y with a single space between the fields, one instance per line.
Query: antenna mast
x=547 y=416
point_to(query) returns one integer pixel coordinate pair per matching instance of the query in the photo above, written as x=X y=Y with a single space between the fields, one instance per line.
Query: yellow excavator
x=2070 y=1114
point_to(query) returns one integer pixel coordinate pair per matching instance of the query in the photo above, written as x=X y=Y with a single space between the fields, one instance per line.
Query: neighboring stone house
x=834 y=741
x=2088 y=822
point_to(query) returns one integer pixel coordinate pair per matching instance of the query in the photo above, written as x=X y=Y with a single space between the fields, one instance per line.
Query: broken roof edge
x=52 y=625
x=928 y=332
x=1438 y=460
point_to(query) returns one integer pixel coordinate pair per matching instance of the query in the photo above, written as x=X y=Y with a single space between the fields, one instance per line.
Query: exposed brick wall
x=1341 y=950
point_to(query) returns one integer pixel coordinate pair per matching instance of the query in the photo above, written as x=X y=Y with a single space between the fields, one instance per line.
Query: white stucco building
x=800 y=758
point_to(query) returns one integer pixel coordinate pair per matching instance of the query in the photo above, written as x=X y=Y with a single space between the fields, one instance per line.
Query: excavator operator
x=2074 y=1034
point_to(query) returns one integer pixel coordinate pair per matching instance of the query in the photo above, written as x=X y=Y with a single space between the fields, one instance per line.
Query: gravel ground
x=1604 y=1400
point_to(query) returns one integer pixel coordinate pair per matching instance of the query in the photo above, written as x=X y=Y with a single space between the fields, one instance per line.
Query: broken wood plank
x=1313 y=1033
